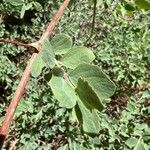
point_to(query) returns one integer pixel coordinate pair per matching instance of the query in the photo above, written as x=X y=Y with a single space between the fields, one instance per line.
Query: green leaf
x=15 y=2
x=48 y=55
x=37 y=5
x=37 y=66
x=77 y=56
x=63 y=92
x=61 y=44
x=24 y=9
x=139 y=146
x=96 y=78
x=145 y=94
x=24 y=106
x=131 y=142
x=90 y=119
x=88 y=96
x=143 y=4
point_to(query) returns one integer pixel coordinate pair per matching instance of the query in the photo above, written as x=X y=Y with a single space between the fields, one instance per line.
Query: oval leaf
x=48 y=55
x=77 y=56
x=96 y=78
x=63 y=92
x=37 y=66
x=61 y=43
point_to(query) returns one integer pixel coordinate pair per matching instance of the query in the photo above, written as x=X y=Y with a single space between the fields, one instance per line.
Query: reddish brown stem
x=23 y=83
x=15 y=42
x=54 y=21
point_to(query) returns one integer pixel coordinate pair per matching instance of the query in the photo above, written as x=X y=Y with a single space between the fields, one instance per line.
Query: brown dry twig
x=23 y=83
x=15 y=42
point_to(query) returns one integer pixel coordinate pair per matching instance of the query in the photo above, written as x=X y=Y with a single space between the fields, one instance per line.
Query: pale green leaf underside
x=37 y=66
x=61 y=44
x=90 y=119
x=77 y=56
x=48 y=55
x=63 y=92
x=97 y=79
x=88 y=96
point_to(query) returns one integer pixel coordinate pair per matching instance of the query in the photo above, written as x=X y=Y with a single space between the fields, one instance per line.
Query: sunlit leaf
x=77 y=56
x=61 y=43
x=139 y=145
x=96 y=78
x=48 y=55
x=131 y=142
x=37 y=66
x=63 y=92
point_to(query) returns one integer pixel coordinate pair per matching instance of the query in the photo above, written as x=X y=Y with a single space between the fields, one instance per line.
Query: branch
x=15 y=42
x=26 y=75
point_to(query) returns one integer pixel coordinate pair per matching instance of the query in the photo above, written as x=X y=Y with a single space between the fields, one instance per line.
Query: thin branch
x=18 y=95
x=15 y=42
x=26 y=75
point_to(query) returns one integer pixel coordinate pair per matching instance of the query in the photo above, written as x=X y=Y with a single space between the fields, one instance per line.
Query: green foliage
x=90 y=119
x=143 y=4
x=15 y=2
x=120 y=43
x=92 y=92
x=98 y=80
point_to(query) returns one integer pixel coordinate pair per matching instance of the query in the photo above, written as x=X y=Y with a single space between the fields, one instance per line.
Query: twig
x=22 y=85
x=15 y=42
x=18 y=95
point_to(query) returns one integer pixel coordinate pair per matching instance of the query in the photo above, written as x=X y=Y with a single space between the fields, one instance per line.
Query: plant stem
x=15 y=42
